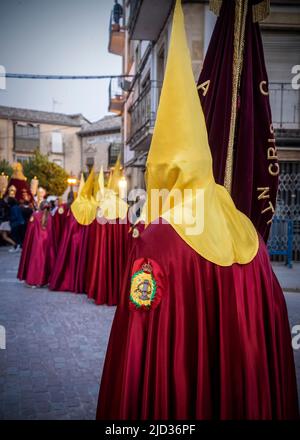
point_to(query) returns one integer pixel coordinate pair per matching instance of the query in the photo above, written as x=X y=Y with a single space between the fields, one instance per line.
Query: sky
x=67 y=37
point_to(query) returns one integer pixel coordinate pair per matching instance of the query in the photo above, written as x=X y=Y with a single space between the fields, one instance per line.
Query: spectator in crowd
x=5 y=228
x=26 y=207
x=17 y=222
x=117 y=12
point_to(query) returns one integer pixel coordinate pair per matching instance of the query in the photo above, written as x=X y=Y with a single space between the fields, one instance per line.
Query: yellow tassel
x=260 y=11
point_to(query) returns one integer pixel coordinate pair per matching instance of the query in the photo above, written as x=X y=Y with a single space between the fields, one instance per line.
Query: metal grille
x=285 y=105
x=288 y=205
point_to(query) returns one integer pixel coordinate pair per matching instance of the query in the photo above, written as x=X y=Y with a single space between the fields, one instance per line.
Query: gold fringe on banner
x=215 y=6
x=261 y=10
x=241 y=8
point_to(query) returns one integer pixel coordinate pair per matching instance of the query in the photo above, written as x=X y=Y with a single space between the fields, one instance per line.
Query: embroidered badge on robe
x=61 y=210
x=145 y=289
x=135 y=233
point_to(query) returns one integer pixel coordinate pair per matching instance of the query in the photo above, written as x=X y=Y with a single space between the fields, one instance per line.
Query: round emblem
x=61 y=210
x=135 y=233
x=31 y=219
x=143 y=287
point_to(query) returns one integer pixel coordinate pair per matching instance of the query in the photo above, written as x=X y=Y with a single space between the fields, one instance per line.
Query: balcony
x=117 y=96
x=147 y=18
x=143 y=115
x=285 y=106
x=116 y=43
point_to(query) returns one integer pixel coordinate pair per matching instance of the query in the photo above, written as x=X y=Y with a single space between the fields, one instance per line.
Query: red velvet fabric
x=108 y=249
x=217 y=346
x=70 y=267
x=59 y=222
x=37 y=258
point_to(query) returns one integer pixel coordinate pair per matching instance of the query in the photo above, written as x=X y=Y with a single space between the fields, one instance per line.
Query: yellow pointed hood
x=96 y=186
x=113 y=182
x=87 y=190
x=84 y=207
x=180 y=159
x=81 y=184
x=101 y=184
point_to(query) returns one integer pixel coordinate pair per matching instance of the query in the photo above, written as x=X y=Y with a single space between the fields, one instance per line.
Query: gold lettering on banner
x=274 y=172
x=273 y=168
x=272 y=153
x=270 y=207
x=261 y=88
x=264 y=193
x=204 y=86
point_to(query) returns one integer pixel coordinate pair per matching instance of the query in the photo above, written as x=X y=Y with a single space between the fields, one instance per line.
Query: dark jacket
x=16 y=219
x=4 y=211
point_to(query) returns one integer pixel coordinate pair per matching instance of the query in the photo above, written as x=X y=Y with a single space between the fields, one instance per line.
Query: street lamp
x=72 y=181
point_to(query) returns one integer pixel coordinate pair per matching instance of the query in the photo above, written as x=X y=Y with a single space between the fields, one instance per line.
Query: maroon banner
x=254 y=168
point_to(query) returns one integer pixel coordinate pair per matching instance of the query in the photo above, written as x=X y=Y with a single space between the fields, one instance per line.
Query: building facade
x=23 y=131
x=70 y=141
x=101 y=143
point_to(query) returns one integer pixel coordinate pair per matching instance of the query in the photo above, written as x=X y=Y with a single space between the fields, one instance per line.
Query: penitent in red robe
x=216 y=343
x=59 y=222
x=69 y=271
x=109 y=245
x=37 y=258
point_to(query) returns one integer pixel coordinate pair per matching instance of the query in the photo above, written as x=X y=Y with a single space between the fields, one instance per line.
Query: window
x=21 y=159
x=26 y=137
x=113 y=153
x=90 y=161
x=57 y=142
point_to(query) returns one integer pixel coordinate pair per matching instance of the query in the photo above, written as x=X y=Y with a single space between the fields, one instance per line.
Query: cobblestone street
x=55 y=348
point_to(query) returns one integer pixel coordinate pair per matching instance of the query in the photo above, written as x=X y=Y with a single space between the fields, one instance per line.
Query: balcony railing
x=285 y=105
x=284 y=100
x=117 y=96
x=143 y=115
